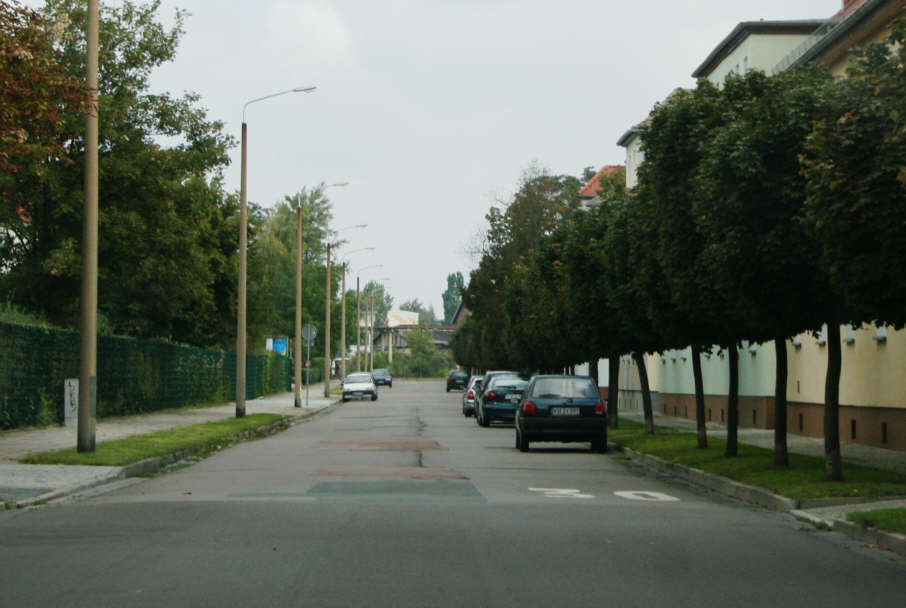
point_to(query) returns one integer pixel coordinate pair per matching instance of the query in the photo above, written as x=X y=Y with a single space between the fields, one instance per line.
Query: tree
x=452 y=296
x=749 y=202
x=167 y=244
x=383 y=301
x=855 y=211
x=36 y=94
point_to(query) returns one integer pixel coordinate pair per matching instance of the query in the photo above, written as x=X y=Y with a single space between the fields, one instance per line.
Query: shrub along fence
x=134 y=376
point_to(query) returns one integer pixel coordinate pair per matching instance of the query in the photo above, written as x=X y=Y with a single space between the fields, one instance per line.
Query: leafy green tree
x=854 y=210
x=672 y=142
x=750 y=195
x=383 y=301
x=424 y=359
x=167 y=228
x=452 y=296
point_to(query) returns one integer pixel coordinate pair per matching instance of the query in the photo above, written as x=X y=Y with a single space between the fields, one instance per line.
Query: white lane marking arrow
x=561 y=493
x=647 y=496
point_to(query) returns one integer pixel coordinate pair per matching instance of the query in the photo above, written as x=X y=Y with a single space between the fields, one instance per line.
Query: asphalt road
x=403 y=502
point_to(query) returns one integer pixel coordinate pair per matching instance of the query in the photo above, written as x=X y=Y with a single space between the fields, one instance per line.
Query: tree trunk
x=733 y=403
x=593 y=372
x=699 y=397
x=646 y=392
x=781 y=456
x=613 y=390
x=833 y=466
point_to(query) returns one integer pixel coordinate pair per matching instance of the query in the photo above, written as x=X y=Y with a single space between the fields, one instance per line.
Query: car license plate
x=564 y=411
x=514 y=398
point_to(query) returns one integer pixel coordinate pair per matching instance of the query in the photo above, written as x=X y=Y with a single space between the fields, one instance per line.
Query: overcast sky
x=431 y=109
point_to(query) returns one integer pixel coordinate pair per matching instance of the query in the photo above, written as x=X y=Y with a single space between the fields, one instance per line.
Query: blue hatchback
x=561 y=408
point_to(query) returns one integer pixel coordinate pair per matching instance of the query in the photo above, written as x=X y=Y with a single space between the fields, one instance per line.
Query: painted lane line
x=647 y=496
x=561 y=493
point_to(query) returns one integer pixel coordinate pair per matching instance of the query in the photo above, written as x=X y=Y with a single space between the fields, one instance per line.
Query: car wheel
x=374 y=397
x=517 y=439
x=599 y=444
x=344 y=399
x=523 y=443
x=485 y=421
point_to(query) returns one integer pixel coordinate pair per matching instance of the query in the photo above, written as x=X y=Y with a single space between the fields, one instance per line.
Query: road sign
x=308 y=334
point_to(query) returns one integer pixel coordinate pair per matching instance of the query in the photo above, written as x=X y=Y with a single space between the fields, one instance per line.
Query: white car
x=359 y=386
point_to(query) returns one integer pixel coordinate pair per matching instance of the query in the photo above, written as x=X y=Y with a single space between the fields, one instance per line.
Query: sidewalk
x=823 y=514
x=25 y=484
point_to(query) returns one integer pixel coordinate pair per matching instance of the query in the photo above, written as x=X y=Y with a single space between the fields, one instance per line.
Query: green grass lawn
x=803 y=479
x=203 y=438
x=891 y=520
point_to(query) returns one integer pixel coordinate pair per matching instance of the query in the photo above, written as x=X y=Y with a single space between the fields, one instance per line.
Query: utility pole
x=358 y=327
x=297 y=351
x=327 y=299
x=343 y=326
x=88 y=331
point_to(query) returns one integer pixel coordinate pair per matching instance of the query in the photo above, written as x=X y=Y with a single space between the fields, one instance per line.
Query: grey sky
x=431 y=109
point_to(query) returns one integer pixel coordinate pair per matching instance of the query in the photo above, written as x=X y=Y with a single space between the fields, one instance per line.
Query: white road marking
x=561 y=493
x=647 y=496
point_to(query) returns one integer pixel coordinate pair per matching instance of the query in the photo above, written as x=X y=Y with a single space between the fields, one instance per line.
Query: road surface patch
x=409 y=472
x=389 y=444
x=407 y=491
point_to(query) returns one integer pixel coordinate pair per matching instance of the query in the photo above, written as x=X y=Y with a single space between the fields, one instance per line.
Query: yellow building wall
x=873 y=373
x=839 y=65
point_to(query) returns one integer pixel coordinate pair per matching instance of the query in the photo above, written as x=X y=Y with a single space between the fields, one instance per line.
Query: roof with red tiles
x=591 y=188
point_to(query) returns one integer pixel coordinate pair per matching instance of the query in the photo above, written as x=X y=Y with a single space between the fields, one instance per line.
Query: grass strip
x=202 y=438
x=754 y=466
x=889 y=520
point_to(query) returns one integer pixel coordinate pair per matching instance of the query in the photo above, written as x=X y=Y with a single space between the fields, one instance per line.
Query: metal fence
x=134 y=376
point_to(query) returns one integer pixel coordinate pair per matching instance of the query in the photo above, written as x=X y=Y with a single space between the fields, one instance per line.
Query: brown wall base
x=875 y=426
x=754 y=412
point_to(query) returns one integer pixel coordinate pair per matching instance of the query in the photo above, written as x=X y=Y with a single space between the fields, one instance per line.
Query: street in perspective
x=452 y=303
x=403 y=501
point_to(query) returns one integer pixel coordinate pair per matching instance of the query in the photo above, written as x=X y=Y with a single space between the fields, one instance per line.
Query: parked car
x=561 y=408
x=359 y=386
x=469 y=396
x=383 y=377
x=457 y=379
x=499 y=398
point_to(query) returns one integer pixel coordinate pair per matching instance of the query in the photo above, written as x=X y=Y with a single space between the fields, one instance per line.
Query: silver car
x=473 y=386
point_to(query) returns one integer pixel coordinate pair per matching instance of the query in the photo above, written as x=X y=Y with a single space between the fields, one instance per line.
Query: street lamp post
x=327 y=300
x=88 y=329
x=297 y=350
x=358 y=320
x=243 y=250
x=343 y=311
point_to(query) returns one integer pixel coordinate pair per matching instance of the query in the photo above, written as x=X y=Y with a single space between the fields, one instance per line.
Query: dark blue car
x=561 y=408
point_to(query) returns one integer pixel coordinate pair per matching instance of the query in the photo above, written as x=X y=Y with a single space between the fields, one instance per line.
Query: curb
x=152 y=465
x=716 y=483
x=763 y=498
x=884 y=540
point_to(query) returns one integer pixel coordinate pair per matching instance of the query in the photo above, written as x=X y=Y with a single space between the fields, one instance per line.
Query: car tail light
x=471 y=395
x=491 y=395
x=599 y=408
x=529 y=408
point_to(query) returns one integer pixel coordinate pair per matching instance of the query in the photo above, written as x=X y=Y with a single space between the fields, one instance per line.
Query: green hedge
x=134 y=376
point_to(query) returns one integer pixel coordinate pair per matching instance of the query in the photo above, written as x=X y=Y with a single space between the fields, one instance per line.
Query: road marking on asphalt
x=648 y=496
x=561 y=493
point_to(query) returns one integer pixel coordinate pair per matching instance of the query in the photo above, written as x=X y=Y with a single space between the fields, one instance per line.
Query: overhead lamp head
x=307 y=89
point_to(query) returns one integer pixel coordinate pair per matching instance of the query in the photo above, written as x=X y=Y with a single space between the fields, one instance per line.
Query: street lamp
x=327 y=299
x=358 y=321
x=297 y=351
x=243 y=247
x=343 y=311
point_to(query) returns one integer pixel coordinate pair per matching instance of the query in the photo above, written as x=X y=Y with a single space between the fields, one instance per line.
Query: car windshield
x=381 y=372
x=458 y=374
x=508 y=383
x=358 y=378
x=571 y=388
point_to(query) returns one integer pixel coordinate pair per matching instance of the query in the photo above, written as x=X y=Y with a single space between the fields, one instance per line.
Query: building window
x=852 y=429
x=800 y=423
x=721 y=415
x=883 y=432
x=754 y=418
x=709 y=413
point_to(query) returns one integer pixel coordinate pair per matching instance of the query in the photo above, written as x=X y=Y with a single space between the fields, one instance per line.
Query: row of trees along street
x=767 y=207
x=168 y=229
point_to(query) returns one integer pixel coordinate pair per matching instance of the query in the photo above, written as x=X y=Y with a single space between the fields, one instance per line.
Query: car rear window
x=356 y=378
x=508 y=383
x=572 y=388
x=459 y=375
